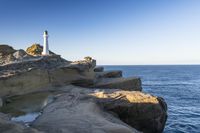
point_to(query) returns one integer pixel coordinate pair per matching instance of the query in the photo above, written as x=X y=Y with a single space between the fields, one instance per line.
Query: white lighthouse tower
x=45 y=45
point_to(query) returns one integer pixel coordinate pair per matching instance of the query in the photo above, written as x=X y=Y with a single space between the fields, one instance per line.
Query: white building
x=45 y=45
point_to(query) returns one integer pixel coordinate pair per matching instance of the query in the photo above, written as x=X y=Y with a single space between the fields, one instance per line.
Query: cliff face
x=102 y=101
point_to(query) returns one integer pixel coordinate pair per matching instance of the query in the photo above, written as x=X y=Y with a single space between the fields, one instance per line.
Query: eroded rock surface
x=99 y=69
x=109 y=74
x=7 y=126
x=6 y=54
x=101 y=107
x=131 y=83
x=36 y=50
x=139 y=110
x=78 y=112
x=106 y=111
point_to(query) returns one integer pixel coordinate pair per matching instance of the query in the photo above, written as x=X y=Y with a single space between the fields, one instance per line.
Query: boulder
x=19 y=54
x=78 y=112
x=142 y=111
x=6 y=49
x=6 y=54
x=99 y=69
x=109 y=74
x=36 y=50
x=131 y=83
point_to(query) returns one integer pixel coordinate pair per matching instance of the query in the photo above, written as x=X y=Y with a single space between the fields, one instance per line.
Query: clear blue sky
x=111 y=31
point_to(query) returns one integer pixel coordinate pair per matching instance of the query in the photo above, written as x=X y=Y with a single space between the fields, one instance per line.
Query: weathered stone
x=21 y=83
x=1 y=102
x=36 y=50
x=83 y=65
x=142 y=111
x=99 y=69
x=19 y=54
x=7 y=126
x=109 y=74
x=35 y=75
x=77 y=112
x=6 y=49
x=6 y=54
x=131 y=83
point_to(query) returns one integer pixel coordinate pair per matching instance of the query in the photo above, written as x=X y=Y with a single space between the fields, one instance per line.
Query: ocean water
x=179 y=85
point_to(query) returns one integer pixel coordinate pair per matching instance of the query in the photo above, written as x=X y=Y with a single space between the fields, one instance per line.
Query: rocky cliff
x=91 y=100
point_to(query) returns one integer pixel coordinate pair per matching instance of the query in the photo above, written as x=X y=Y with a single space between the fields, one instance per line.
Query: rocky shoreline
x=90 y=99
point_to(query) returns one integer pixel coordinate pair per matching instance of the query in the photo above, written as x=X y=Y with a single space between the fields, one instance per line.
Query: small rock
x=99 y=69
x=131 y=83
x=109 y=74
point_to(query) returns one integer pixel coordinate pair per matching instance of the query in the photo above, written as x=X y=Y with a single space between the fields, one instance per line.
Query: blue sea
x=179 y=85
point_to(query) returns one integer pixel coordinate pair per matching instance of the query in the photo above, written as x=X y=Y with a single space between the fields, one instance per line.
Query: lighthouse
x=45 y=45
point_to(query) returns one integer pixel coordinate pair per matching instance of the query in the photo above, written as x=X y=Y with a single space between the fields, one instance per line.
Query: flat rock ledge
x=131 y=83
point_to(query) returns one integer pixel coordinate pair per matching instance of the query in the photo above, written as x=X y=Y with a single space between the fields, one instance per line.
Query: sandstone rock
x=142 y=111
x=6 y=54
x=77 y=112
x=6 y=126
x=50 y=71
x=19 y=54
x=88 y=58
x=131 y=83
x=6 y=49
x=109 y=74
x=1 y=102
x=36 y=50
x=21 y=83
x=83 y=65
x=99 y=69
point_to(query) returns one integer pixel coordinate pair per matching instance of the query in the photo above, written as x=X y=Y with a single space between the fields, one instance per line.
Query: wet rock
x=109 y=74
x=131 y=83
x=99 y=69
x=7 y=126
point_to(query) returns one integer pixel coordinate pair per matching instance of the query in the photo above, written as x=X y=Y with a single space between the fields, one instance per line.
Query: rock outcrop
x=6 y=54
x=101 y=102
x=106 y=111
x=142 y=111
x=7 y=126
x=36 y=50
x=109 y=74
x=131 y=83
x=99 y=69
x=78 y=112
